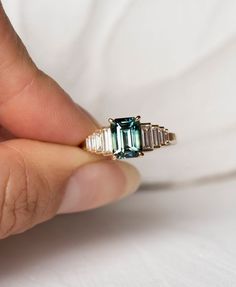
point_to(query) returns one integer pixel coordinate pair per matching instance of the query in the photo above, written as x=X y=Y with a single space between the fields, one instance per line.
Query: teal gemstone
x=126 y=137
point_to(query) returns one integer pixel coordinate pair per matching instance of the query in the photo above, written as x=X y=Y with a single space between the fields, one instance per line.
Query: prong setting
x=111 y=121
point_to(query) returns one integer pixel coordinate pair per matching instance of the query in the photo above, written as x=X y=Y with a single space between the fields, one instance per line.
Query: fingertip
x=97 y=184
x=132 y=177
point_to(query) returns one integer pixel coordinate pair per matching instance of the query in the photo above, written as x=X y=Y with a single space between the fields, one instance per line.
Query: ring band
x=128 y=138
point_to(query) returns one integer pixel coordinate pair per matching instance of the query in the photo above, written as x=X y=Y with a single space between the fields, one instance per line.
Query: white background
x=174 y=63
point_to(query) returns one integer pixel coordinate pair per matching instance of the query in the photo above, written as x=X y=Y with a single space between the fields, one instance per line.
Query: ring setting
x=128 y=138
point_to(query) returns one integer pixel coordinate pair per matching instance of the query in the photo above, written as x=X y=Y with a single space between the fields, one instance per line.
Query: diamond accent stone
x=93 y=142
x=106 y=141
x=147 y=137
x=98 y=139
x=166 y=138
x=161 y=135
x=156 y=137
x=88 y=143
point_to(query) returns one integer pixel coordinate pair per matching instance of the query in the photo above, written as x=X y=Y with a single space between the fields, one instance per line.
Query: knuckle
x=19 y=201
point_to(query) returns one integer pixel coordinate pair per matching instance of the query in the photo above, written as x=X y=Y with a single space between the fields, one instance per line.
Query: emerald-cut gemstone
x=126 y=137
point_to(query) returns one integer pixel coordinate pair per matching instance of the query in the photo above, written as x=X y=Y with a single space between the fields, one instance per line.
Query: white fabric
x=174 y=63
x=163 y=239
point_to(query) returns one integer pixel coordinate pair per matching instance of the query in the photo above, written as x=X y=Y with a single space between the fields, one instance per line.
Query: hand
x=42 y=171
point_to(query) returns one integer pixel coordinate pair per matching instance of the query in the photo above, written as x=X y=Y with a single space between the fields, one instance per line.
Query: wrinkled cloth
x=172 y=63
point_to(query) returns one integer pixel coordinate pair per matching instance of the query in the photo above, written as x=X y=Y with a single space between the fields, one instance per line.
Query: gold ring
x=128 y=138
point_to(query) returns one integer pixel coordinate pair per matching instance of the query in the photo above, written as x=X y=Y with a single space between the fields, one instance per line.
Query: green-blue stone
x=126 y=137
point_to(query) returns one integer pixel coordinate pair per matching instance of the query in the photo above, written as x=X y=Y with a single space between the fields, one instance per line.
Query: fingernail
x=97 y=184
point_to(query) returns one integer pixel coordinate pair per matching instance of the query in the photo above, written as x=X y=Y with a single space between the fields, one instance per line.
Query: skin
x=41 y=166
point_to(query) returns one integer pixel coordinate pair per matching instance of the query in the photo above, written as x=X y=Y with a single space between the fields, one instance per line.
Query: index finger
x=32 y=105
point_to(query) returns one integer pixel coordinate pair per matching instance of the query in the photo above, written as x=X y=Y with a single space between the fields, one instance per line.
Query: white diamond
x=147 y=137
x=88 y=146
x=106 y=141
x=161 y=136
x=156 y=139
x=166 y=136
x=99 y=147
x=93 y=142
x=90 y=143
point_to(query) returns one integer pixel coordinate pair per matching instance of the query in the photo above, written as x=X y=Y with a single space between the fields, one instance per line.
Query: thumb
x=39 y=180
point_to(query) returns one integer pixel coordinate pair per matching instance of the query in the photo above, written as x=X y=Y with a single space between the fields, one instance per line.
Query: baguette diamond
x=147 y=137
x=99 y=147
x=156 y=137
x=107 y=141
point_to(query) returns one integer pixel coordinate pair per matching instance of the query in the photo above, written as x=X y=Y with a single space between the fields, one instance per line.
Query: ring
x=128 y=138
